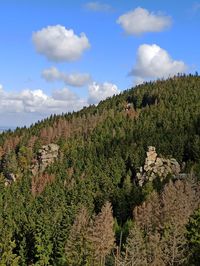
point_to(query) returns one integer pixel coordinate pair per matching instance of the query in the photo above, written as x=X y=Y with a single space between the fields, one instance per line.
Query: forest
x=69 y=188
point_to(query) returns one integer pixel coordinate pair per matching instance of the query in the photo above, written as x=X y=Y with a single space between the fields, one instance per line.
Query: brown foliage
x=11 y=143
x=101 y=235
x=162 y=219
x=90 y=240
x=1 y=152
x=135 y=253
x=31 y=142
x=76 y=247
x=66 y=129
x=147 y=215
x=39 y=183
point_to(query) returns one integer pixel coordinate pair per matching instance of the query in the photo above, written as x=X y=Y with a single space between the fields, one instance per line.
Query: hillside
x=69 y=187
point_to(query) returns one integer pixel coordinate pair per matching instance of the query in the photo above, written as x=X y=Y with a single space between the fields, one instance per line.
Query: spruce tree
x=101 y=235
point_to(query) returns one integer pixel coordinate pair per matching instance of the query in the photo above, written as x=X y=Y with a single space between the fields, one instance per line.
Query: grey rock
x=157 y=167
x=46 y=156
x=158 y=162
x=151 y=148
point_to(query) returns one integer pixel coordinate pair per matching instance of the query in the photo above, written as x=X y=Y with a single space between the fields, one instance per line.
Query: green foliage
x=24 y=158
x=9 y=163
x=7 y=254
x=193 y=235
x=101 y=150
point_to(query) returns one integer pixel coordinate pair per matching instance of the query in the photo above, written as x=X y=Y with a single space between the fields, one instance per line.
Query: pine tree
x=179 y=201
x=43 y=243
x=7 y=254
x=193 y=237
x=135 y=250
x=77 y=246
x=101 y=235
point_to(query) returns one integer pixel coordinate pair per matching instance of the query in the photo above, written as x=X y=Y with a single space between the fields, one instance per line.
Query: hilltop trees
x=101 y=148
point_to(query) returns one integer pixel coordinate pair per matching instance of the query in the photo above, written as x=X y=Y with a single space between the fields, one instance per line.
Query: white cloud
x=98 y=92
x=64 y=95
x=51 y=74
x=61 y=100
x=28 y=106
x=36 y=101
x=73 y=79
x=140 y=20
x=154 y=62
x=98 y=7
x=1 y=89
x=60 y=44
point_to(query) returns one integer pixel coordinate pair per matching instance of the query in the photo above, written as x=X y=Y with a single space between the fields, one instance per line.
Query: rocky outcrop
x=45 y=156
x=157 y=167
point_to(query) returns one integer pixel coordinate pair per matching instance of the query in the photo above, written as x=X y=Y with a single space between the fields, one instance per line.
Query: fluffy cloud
x=64 y=95
x=98 y=92
x=154 y=62
x=98 y=7
x=1 y=89
x=74 y=79
x=140 y=20
x=36 y=101
x=28 y=106
x=61 y=100
x=60 y=44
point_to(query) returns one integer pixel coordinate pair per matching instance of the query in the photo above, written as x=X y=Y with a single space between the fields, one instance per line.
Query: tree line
x=87 y=208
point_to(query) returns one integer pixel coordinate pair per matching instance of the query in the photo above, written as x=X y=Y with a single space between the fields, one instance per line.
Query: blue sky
x=58 y=55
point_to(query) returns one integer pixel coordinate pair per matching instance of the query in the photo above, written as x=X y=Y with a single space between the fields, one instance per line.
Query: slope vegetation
x=93 y=180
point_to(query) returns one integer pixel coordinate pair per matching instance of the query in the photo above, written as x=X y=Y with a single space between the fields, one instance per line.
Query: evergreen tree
x=77 y=246
x=193 y=236
x=101 y=235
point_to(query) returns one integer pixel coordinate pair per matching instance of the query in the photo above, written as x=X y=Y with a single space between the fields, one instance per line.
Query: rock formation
x=157 y=167
x=45 y=156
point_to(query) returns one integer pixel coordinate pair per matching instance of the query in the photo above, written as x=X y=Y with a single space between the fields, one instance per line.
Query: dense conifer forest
x=86 y=207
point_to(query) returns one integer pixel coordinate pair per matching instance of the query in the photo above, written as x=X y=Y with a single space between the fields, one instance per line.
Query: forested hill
x=69 y=192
